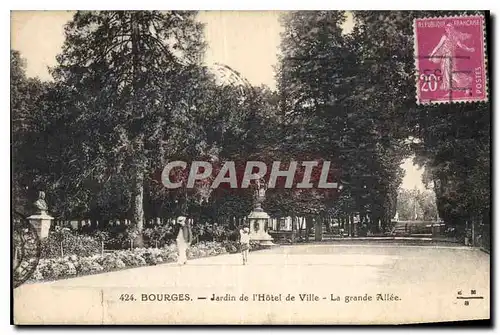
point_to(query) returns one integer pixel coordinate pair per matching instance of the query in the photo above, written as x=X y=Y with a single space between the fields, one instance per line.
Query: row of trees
x=357 y=93
x=130 y=93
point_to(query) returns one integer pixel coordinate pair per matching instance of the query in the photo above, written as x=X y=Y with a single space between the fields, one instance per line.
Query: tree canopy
x=131 y=93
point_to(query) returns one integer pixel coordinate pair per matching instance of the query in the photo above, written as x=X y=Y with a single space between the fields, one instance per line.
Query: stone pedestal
x=41 y=222
x=258 y=221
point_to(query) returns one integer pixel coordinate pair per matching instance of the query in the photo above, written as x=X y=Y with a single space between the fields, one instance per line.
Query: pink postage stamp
x=450 y=59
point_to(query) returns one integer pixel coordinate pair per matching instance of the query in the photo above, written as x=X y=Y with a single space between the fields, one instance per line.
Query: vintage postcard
x=250 y=167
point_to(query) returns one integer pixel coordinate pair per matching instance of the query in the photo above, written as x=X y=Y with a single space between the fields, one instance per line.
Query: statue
x=258 y=219
x=41 y=221
x=260 y=193
x=40 y=204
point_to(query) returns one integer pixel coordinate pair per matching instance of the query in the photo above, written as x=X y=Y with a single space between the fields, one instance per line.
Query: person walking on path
x=184 y=238
x=245 y=244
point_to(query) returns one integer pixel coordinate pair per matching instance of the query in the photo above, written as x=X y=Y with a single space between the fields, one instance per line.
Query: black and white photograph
x=237 y=167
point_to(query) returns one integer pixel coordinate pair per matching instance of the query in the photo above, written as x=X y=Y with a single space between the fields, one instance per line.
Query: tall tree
x=128 y=73
x=25 y=103
x=337 y=112
x=310 y=86
x=451 y=140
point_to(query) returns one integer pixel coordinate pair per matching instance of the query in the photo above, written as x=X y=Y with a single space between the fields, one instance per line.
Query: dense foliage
x=130 y=93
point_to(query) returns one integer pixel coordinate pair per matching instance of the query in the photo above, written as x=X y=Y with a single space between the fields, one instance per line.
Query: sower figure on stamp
x=445 y=54
x=245 y=244
x=184 y=237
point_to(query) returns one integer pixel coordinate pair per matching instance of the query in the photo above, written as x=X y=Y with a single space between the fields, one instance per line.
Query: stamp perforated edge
x=485 y=62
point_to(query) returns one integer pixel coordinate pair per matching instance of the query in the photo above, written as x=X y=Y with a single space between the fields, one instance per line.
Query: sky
x=247 y=41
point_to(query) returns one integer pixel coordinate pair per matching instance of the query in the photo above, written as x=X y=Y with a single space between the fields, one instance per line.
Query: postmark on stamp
x=450 y=59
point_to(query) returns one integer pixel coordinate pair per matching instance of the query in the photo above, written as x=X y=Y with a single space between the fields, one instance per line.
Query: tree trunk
x=329 y=225
x=138 y=211
x=473 y=231
x=298 y=223
x=308 y=227
x=376 y=221
x=138 y=202
x=213 y=229
x=486 y=231
x=355 y=227
x=299 y=229
x=318 y=229
x=138 y=113
x=350 y=222
x=301 y=223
